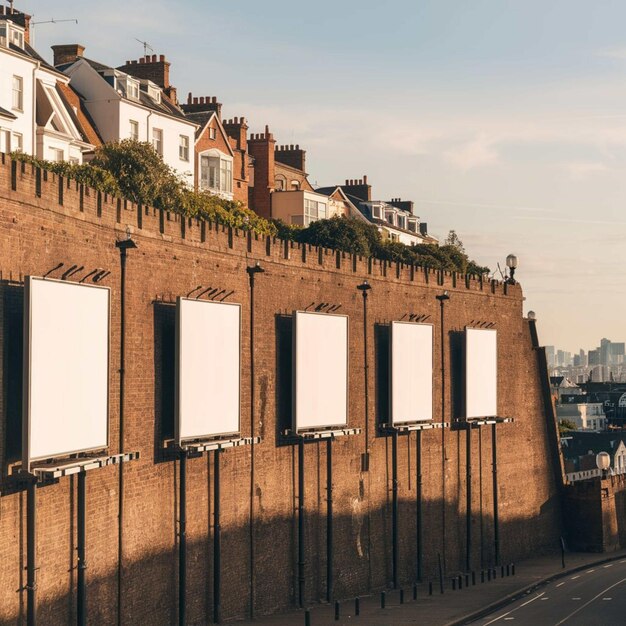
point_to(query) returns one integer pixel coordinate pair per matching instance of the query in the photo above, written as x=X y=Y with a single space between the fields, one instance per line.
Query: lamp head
x=364 y=286
x=532 y=315
x=444 y=296
x=603 y=461
x=511 y=262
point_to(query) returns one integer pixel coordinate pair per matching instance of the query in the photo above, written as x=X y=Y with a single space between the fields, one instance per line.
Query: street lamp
x=532 y=315
x=511 y=263
x=603 y=461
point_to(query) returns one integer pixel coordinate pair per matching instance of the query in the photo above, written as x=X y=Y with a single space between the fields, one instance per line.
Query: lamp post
x=603 y=461
x=511 y=263
x=364 y=288
x=252 y=271
x=123 y=245
x=442 y=300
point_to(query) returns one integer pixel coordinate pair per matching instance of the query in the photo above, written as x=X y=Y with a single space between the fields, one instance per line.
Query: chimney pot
x=346 y=182
x=267 y=129
x=162 y=58
x=189 y=98
x=365 y=179
x=195 y=100
x=214 y=99
x=201 y=99
x=154 y=58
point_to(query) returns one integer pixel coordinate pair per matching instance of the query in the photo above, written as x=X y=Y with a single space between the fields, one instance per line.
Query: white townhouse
x=39 y=114
x=123 y=106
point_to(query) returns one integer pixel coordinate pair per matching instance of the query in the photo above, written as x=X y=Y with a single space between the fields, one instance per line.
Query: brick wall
x=173 y=256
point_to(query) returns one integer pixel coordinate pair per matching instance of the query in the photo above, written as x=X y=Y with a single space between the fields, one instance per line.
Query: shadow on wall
x=151 y=583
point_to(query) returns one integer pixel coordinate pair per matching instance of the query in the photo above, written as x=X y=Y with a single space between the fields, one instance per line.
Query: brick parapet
x=69 y=198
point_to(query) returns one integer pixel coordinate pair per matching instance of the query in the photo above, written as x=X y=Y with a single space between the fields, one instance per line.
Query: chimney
x=156 y=69
x=404 y=205
x=358 y=188
x=238 y=130
x=291 y=156
x=202 y=104
x=67 y=53
x=261 y=149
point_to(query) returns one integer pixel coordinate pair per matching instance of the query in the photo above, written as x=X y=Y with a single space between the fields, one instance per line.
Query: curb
x=516 y=595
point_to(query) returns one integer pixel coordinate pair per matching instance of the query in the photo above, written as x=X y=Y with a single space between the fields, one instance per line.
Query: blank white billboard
x=411 y=375
x=481 y=373
x=66 y=369
x=321 y=371
x=208 y=370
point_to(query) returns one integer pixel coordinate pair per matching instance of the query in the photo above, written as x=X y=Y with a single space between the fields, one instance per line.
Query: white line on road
x=619 y=582
x=609 y=565
x=575 y=577
x=589 y=571
x=515 y=609
x=560 y=584
x=575 y=598
x=607 y=598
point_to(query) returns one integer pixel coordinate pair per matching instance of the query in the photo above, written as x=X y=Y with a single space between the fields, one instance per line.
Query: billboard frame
x=27 y=461
x=478 y=418
x=407 y=423
x=179 y=442
x=328 y=428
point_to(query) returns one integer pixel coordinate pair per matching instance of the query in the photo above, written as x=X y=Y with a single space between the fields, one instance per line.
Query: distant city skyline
x=503 y=121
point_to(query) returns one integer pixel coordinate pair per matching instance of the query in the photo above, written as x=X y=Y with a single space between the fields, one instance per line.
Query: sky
x=501 y=119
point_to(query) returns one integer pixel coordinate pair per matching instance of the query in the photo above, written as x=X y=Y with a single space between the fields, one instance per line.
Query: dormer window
x=17 y=36
x=11 y=34
x=132 y=89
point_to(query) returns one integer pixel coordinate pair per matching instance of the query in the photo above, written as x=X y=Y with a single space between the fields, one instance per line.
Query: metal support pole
x=494 y=461
x=252 y=272
x=394 y=508
x=123 y=245
x=468 y=513
x=217 y=548
x=480 y=488
x=31 y=554
x=419 y=525
x=329 y=520
x=442 y=299
x=182 y=541
x=301 y=581
x=81 y=595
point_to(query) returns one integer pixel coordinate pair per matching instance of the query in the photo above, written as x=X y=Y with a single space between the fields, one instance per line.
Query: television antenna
x=146 y=46
x=51 y=21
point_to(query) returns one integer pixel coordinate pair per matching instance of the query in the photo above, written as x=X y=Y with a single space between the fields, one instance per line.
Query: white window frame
x=58 y=153
x=134 y=130
x=132 y=89
x=157 y=140
x=314 y=210
x=18 y=93
x=183 y=148
x=212 y=133
x=216 y=172
x=5 y=140
x=17 y=142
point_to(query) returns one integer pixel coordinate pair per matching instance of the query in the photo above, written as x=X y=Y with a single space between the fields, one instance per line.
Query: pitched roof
x=79 y=114
x=8 y=114
x=165 y=106
x=580 y=443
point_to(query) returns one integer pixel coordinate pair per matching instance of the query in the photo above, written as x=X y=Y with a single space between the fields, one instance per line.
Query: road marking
x=575 y=577
x=609 y=565
x=545 y=598
x=506 y=619
x=515 y=609
x=607 y=598
x=575 y=598
x=589 y=571
x=580 y=608
x=560 y=584
x=623 y=561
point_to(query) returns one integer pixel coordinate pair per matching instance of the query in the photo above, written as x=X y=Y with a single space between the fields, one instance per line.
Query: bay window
x=216 y=173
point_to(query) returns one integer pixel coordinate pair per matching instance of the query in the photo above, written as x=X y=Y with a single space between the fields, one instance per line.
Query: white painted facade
x=43 y=126
x=118 y=117
x=585 y=415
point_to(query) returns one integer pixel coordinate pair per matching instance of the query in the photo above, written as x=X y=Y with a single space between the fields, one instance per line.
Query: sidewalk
x=453 y=608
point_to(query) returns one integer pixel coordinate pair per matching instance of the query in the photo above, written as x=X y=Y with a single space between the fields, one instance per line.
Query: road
x=592 y=597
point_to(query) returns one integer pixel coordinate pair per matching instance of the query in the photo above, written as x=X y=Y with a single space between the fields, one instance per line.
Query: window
x=216 y=174
x=56 y=154
x=183 y=148
x=157 y=140
x=18 y=142
x=280 y=184
x=313 y=211
x=134 y=130
x=132 y=89
x=17 y=37
x=295 y=185
x=5 y=141
x=212 y=133
x=18 y=93
x=74 y=161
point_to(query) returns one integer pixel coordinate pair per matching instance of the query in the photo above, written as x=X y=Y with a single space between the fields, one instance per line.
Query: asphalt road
x=592 y=597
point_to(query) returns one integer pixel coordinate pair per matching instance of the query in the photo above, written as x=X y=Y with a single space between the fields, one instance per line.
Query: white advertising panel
x=481 y=373
x=66 y=368
x=321 y=371
x=411 y=363
x=208 y=370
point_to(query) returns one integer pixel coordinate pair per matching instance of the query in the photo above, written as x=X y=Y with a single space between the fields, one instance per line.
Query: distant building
x=580 y=450
x=561 y=385
x=584 y=415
